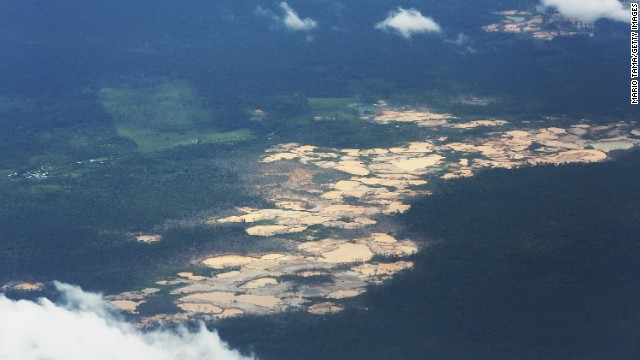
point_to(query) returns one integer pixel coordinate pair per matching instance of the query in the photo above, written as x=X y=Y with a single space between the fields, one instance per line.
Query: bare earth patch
x=378 y=182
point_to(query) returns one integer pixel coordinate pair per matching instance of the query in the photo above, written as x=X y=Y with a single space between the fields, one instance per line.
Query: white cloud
x=407 y=22
x=464 y=42
x=86 y=327
x=293 y=22
x=590 y=10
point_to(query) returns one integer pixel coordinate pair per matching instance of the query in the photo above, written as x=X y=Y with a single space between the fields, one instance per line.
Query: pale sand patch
x=635 y=132
x=221 y=262
x=363 y=190
x=366 y=269
x=326 y=164
x=578 y=131
x=397 y=266
x=216 y=297
x=231 y=312
x=351 y=209
x=266 y=301
x=344 y=185
x=396 y=207
x=401 y=248
x=200 y=308
x=476 y=123
x=126 y=305
x=379 y=151
x=428 y=123
x=305 y=148
x=228 y=274
x=517 y=133
x=342 y=294
x=466 y=172
x=545 y=134
x=25 y=286
x=190 y=276
x=516 y=144
x=415 y=164
x=461 y=147
x=324 y=308
x=259 y=283
x=480 y=163
x=315 y=219
x=413 y=148
x=425 y=118
x=309 y=273
x=464 y=162
x=563 y=145
x=449 y=176
x=613 y=145
x=251 y=216
x=280 y=156
x=570 y=156
x=137 y=295
x=391 y=182
x=149 y=238
x=420 y=147
x=351 y=152
x=332 y=195
x=352 y=167
x=385 y=269
x=148 y=291
x=320 y=246
x=557 y=130
x=348 y=253
x=270 y=230
x=229 y=299
x=383 y=238
x=272 y=256
x=291 y=205
x=489 y=151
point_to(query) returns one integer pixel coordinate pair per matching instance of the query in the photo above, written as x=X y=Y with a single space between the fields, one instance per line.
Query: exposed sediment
x=320 y=270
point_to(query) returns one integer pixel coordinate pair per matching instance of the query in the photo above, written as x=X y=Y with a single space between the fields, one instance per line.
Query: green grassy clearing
x=333 y=108
x=164 y=116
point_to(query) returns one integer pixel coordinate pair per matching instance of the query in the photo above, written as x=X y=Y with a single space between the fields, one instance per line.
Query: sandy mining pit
x=318 y=272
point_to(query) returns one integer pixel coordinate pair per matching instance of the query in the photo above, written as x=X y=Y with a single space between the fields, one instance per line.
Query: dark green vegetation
x=74 y=228
x=538 y=263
